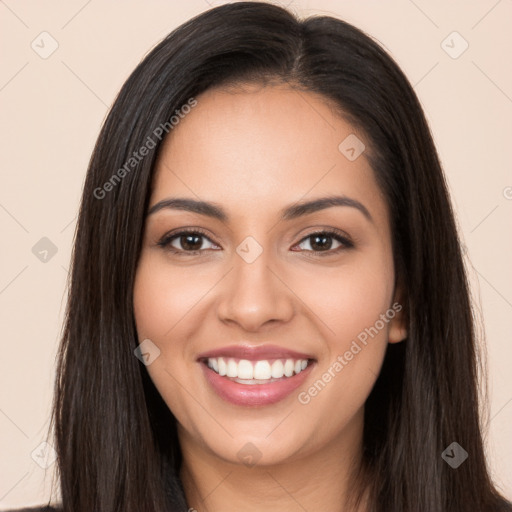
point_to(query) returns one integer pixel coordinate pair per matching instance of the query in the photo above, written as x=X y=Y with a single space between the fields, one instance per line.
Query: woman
x=268 y=304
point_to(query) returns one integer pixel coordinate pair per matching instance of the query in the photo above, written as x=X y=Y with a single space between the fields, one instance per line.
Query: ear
x=398 y=331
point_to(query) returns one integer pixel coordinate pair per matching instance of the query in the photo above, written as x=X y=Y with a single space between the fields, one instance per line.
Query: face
x=267 y=322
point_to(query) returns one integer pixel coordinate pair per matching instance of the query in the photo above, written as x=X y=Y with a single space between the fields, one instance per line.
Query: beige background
x=52 y=110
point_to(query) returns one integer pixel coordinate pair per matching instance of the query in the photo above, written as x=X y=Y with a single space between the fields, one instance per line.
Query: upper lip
x=255 y=353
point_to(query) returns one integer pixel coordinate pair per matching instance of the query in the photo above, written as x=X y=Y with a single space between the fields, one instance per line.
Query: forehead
x=260 y=147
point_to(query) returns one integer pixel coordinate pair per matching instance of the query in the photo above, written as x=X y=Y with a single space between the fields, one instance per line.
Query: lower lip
x=256 y=394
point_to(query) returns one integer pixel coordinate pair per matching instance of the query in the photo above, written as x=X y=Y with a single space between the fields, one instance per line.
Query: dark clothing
x=42 y=508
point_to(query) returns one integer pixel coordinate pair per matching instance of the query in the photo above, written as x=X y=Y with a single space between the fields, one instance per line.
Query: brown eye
x=322 y=242
x=190 y=242
x=185 y=242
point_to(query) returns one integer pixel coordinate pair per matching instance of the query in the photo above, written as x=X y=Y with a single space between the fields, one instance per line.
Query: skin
x=254 y=150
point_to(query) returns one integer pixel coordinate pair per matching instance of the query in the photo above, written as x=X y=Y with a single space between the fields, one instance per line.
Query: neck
x=320 y=478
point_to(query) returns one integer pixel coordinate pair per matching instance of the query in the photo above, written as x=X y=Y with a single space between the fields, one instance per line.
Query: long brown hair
x=115 y=437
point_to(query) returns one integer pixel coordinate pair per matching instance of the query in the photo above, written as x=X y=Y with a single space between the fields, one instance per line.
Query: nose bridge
x=254 y=294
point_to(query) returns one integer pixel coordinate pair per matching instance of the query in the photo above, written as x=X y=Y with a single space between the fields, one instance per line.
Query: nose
x=255 y=294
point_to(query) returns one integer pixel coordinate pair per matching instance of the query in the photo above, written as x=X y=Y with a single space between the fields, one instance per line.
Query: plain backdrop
x=62 y=65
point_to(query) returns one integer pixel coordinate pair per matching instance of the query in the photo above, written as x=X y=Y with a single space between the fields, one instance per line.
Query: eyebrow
x=291 y=212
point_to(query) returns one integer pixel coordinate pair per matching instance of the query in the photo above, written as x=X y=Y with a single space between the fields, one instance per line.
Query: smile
x=253 y=376
x=263 y=371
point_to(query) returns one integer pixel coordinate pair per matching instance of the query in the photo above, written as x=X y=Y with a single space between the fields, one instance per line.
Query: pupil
x=322 y=242
x=191 y=245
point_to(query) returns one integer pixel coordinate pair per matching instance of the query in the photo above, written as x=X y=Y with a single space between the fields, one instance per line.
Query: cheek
x=163 y=302
x=350 y=298
x=349 y=302
x=164 y=297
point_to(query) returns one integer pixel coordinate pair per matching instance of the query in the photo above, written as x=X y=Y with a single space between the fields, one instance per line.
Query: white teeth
x=252 y=371
x=245 y=369
x=262 y=370
x=232 y=369
x=288 y=367
x=222 y=365
x=278 y=369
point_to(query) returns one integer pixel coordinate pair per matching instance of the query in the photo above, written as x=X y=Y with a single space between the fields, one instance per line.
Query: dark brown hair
x=115 y=437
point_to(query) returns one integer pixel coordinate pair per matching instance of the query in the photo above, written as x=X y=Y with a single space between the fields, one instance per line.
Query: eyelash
x=339 y=236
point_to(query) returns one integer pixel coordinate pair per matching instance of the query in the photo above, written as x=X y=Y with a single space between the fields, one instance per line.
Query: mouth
x=253 y=380
x=263 y=371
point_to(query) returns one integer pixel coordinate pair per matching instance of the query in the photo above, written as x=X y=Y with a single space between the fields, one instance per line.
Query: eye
x=191 y=242
x=322 y=242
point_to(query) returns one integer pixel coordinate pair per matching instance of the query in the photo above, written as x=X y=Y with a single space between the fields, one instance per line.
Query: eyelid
x=339 y=235
x=166 y=239
x=346 y=238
